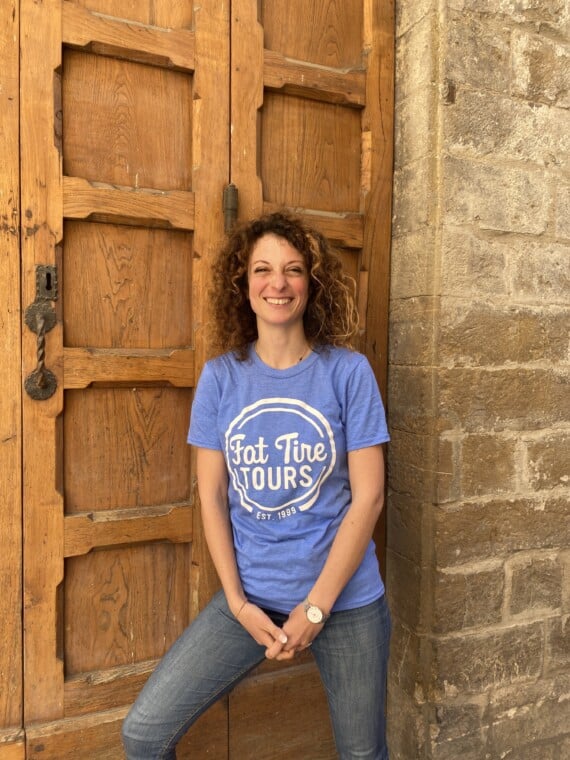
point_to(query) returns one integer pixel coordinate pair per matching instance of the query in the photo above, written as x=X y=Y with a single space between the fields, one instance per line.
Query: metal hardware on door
x=40 y=317
x=230 y=206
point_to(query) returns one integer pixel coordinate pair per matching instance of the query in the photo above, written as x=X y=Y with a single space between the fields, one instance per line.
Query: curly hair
x=331 y=317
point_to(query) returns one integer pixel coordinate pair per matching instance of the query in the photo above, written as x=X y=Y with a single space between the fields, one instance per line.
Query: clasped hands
x=283 y=643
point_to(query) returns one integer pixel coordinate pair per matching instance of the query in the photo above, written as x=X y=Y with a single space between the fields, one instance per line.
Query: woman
x=288 y=424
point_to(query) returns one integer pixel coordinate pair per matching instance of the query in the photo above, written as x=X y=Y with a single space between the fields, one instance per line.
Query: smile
x=279 y=301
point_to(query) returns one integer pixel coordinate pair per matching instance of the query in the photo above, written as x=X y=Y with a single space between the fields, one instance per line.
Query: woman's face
x=278 y=282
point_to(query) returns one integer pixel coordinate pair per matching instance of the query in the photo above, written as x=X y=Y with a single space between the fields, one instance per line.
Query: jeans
x=215 y=652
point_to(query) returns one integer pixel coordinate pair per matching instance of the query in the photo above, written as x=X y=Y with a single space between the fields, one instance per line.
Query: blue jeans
x=215 y=652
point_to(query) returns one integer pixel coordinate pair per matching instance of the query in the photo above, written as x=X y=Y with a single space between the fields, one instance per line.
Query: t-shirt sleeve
x=203 y=429
x=365 y=418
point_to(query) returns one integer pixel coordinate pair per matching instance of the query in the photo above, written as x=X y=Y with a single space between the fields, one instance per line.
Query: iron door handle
x=40 y=317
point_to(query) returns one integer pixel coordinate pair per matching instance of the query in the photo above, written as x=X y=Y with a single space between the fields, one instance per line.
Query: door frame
x=11 y=693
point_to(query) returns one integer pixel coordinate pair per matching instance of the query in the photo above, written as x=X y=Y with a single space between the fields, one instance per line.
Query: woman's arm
x=366 y=474
x=213 y=489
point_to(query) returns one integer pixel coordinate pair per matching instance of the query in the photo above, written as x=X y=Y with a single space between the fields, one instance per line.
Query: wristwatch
x=314 y=614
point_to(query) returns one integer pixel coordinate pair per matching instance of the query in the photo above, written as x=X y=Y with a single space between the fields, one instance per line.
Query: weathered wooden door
x=311 y=112
x=119 y=129
x=134 y=116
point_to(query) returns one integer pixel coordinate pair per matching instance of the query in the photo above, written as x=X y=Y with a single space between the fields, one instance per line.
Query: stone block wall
x=478 y=566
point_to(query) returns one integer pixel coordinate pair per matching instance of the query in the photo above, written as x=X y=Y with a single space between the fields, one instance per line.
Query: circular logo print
x=279 y=452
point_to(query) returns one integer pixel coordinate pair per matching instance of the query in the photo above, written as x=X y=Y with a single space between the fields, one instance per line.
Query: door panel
x=309 y=134
x=316 y=134
x=122 y=175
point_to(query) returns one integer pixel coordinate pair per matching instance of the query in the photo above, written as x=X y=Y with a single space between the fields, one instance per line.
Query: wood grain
x=326 y=33
x=13 y=750
x=274 y=700
x=84 y=532
x=210 y=174
x=124 y=605
x=136 y=456
x=171 y=48
x=10 y=382
x=378 y=122
x=41 y=241
x=126 y=123
x=126 y=205
x=309 y=80
x=85 y=366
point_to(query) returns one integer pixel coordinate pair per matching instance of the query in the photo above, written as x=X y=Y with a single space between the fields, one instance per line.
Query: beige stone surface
x=478 y=562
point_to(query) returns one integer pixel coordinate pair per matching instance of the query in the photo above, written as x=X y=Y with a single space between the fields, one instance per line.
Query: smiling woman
x=330 y=316
x=278 y=293
x=288 y=424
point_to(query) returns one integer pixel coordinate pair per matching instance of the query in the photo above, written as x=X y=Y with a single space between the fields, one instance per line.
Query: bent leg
x=208 y=659
x=352 y=656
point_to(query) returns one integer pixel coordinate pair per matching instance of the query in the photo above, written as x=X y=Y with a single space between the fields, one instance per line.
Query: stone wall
x=479 y=394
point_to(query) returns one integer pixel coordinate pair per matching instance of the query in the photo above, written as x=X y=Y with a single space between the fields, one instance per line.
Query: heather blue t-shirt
x=285 y=435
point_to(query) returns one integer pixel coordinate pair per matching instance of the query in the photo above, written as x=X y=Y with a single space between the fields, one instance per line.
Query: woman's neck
x=282 y=352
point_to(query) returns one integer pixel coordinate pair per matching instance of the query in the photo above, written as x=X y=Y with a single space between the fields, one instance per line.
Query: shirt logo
x=279 y=452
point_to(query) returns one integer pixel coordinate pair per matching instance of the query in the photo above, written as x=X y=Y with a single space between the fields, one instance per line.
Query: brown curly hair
x=331 y=317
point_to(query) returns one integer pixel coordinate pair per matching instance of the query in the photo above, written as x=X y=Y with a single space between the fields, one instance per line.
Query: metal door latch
x=40 y=317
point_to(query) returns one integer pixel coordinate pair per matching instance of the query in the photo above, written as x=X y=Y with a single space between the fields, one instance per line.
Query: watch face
x=314 y=615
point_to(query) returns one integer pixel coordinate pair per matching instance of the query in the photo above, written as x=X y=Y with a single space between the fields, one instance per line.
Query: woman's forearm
x=355 y=531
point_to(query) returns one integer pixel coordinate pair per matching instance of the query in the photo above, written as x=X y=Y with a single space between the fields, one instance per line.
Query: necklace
x=300 y=359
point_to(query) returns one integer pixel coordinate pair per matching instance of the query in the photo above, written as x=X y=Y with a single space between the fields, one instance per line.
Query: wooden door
x=311 y=111
x=124 y=145
x=133 y=119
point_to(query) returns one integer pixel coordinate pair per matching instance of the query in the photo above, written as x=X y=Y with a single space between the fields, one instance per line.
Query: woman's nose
x=279 y=280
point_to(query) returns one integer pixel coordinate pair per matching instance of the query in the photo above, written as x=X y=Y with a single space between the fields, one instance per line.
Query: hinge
x=230 y=206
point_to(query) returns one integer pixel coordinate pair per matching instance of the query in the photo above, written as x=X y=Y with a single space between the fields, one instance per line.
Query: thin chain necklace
x=300 y=359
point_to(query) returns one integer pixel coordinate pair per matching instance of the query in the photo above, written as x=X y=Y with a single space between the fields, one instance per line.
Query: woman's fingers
x=275 y=647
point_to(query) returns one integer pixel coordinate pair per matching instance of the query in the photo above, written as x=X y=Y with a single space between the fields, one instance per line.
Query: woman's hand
x=260 y=626
x=300 y=633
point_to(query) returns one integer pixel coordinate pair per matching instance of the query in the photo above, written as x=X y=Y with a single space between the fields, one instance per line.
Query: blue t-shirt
x=285 y=435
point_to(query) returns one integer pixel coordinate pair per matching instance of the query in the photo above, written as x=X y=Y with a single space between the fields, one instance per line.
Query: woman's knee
x=141 y=742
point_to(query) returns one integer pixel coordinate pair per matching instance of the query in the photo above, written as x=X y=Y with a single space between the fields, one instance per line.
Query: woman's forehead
x=271 y=247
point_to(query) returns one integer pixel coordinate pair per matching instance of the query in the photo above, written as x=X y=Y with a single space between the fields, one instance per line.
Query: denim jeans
x=215 y=652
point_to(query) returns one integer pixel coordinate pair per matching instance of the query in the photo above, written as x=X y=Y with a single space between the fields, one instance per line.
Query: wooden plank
x=169 y=48
x=272 y=700
x=84 y=366
x=99 y=201
x=85 y=531
x=378 y=125
x=210 y=140
x=100 y=733
x=247 y=99
x=13 y=750
x=10 y=381
x=101 y=690
x=378 y=128
x=345 y=230
x=41 y=240
x=314 y=81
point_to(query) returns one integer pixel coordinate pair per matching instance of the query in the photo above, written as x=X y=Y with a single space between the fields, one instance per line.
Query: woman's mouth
x=278 y=301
